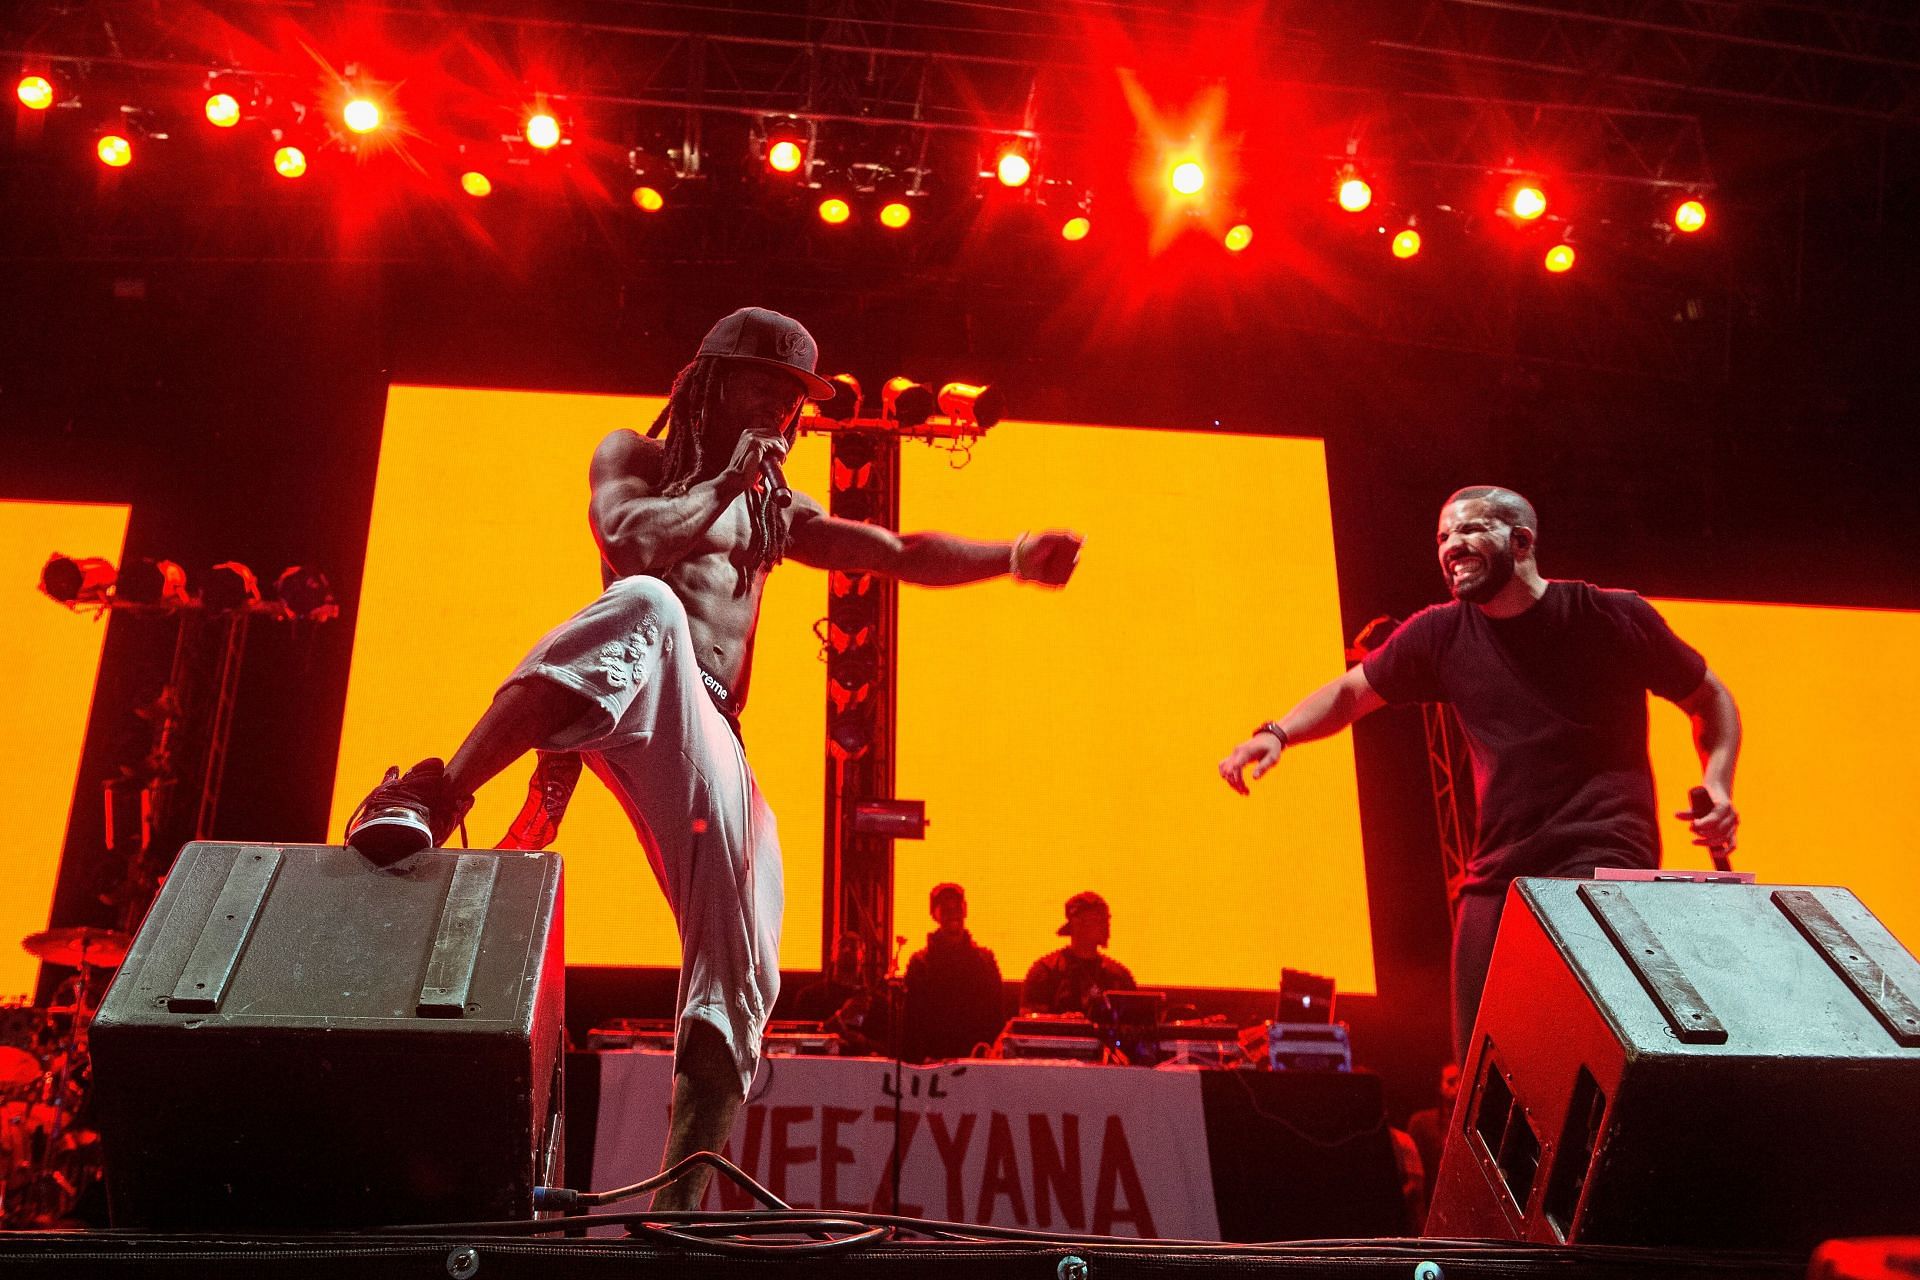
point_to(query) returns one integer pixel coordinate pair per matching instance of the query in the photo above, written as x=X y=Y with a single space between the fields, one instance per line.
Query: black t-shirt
x=1061 y=982
x=953 y=998
x=1553 y=702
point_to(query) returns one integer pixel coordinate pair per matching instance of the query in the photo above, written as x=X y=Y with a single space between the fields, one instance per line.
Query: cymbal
x=101 y=948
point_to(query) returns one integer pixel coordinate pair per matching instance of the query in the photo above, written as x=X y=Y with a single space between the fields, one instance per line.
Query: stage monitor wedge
x=301 y=1039
x=1710 y=1065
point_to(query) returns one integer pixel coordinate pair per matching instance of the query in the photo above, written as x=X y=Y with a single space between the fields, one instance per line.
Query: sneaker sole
x=388 y=839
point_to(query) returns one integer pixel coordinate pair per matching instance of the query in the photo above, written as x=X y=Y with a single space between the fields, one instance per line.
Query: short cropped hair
x=1513 y=508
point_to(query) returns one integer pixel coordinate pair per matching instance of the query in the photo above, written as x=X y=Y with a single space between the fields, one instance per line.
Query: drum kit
x=49 y=1156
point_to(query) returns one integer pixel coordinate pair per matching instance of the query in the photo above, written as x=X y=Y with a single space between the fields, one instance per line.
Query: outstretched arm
x=1716 y=736
x=1321 y=714
x=927 y=559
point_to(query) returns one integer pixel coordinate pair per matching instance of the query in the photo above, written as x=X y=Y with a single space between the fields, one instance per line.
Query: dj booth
x=1180 y=1152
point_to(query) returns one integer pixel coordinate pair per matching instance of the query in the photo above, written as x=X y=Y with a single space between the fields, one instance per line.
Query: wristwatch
x=1272 y=727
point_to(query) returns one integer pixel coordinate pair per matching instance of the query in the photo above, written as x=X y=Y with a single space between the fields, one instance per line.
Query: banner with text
x=1049 y=1146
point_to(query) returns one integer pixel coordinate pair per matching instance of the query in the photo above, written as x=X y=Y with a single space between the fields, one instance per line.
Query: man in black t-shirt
x=953 y=986
x=1067 y=980
x=1550 y=681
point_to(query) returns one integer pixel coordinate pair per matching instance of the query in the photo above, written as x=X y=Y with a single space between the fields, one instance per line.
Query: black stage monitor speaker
x=1714 y=1065
x=299 y=1038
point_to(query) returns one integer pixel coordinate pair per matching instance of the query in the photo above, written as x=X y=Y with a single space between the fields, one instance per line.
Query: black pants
x=1475 y=925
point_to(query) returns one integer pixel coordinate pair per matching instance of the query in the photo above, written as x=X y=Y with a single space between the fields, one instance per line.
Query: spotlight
x=906 y=402
x=845 y=403
x=230 y=585
x=476 y=184
x=1406 y=243
x=290 y=162
x=306 y=593
x=1559 y=258
x=895 y=214
x=1238 y=237
x=648 y=199
x=1353 y=193
x=1013 y=168
x=35 y=93
x=223 y=110
x=1690 y=217
x=784 y=155
x=74 y=582
x=1526 y=201
x=1187 y=178
x=147 y=581
x=834 y=211
x=543 y=131
x=362 y=115
x=1075 y=228
x=964 y=402
x=114 y=151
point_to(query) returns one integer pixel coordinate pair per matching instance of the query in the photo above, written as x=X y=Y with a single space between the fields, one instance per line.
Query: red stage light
x=223 y=110
x=362 y=115
x=786 y=156
x=1076 y=228
x=114 y=151
x=1406 y=244
x=1690 y=216
x=834 y=211
x=1560 y=258
x=1354 y=194
x=476 y=184
x=1239 y=237
x=1187 y=178
x=895 y=214
x=34 y=92
x=648 y=199
x=1526 y=202
x=1014 y=168
x=290 y=162
x=543 y=131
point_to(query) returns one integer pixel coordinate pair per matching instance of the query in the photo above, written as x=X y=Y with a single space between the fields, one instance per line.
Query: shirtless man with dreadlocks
x=646 y=683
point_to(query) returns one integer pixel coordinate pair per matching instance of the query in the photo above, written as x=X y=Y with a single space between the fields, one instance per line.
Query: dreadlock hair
x=691 y=404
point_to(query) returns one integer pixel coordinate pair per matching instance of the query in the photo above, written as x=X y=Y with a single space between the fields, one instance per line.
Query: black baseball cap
x=767 y=337
x=1079 y=904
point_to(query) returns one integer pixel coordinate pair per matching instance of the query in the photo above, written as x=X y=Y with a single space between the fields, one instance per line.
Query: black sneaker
x=404 y=815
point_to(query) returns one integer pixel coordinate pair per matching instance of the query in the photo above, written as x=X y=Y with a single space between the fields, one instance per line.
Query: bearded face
x=1476 y=551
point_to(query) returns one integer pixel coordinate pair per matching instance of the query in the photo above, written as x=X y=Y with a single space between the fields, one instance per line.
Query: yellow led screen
x=51 y=656
x=1069 y=740
x=478 y=545
x=1829 y=699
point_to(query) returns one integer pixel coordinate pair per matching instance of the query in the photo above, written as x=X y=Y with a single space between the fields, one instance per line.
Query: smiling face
x=1478 y=549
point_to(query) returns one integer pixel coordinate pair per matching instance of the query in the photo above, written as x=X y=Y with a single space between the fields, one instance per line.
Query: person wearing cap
x=1067 y=980
x=843 y=1002
x=953 y=987
x=647 y=682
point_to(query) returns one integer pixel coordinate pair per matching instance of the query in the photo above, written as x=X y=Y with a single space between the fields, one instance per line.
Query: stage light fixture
x=834 y=211
x=362 y=115
x=1075 y=228
x=1690 y=216
x=1406 y=243
x=114 y=151
x=906 y=402
x=543 y=131
x=784 y=155
x=846 y=399
x=1013 y=168
x=306 y=594
x=230 y=585
x=1526 y=201
x=1187 y=178
x=648 y=199
x=895 y=214
x=1352 y=193
x=152 y=582
x=76 y=581
x=966 y=402
x=223 y=110
x=1238 y=237
x=35 y=93
x=476 y=184
x=290 y=162
x=1560 y=258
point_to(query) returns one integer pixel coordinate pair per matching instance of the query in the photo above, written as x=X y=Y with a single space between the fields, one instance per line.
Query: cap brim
x=818 y=388
x=1064 y=930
